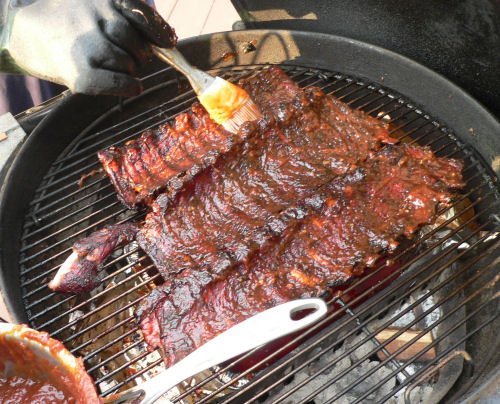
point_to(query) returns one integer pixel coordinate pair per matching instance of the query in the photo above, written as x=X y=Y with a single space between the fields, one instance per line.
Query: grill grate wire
x=62 y=211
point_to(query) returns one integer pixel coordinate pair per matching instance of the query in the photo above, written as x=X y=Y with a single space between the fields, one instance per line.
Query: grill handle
x=245 y=336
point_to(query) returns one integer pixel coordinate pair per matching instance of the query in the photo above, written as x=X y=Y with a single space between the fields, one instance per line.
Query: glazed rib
x=79 y=271
x=251 y=193
x=361 y=217
x=158 y=157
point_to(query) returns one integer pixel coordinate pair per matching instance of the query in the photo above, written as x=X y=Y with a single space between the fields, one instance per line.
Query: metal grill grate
x=447 y=269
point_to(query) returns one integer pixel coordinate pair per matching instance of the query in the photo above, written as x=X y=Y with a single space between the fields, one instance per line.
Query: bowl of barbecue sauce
x=35 y=368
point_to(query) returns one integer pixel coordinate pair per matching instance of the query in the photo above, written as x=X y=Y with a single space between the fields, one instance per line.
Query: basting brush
x=227 y=104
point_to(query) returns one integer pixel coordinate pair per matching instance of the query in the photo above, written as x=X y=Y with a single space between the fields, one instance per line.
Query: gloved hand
x=87 y=45
x=149 y=23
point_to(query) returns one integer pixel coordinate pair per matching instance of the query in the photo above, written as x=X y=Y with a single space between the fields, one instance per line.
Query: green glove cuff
x=7 y=63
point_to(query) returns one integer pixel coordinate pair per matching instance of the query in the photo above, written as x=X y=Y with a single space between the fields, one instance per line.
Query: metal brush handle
x=245 y=336
x=199 y=80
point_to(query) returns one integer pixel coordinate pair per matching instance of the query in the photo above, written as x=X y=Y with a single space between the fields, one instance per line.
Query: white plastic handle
x=249 y=334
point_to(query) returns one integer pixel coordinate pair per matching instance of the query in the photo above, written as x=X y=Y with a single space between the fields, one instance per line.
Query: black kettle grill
x=424 y=332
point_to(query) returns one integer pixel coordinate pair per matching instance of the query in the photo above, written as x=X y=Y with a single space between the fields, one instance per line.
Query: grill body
x=44 y=210
x=455 y=38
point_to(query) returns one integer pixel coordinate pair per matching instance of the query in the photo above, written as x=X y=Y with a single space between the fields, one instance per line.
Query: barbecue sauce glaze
x=25 y=390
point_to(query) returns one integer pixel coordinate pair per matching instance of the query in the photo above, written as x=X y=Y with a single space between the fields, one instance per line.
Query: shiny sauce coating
x=35 y=368
x=21 y=390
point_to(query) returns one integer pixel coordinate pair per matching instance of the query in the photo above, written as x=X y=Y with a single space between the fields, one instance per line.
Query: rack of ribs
x=255 y=190
x=362 y=215
x=233 y=206
x=158 y=157
x=301 y=200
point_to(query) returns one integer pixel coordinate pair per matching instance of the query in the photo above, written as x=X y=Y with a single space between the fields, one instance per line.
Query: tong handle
x=245 y=336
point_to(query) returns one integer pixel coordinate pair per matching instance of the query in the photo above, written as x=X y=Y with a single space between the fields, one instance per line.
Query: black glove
x=87 y=45
x=150 y=24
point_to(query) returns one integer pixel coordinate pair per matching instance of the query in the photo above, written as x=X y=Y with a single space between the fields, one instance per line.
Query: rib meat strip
x=361 y=217
x=170 y=155
x=157 y=158
x=78 y=273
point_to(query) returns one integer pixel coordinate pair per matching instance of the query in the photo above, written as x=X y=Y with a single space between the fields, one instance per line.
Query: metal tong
x=245 y=336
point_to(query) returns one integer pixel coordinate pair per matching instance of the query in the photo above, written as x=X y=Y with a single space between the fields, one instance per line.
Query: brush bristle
x=228 y=104
x=247 y=112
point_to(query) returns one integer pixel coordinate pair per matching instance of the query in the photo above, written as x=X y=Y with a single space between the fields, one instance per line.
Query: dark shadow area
x=458 y=39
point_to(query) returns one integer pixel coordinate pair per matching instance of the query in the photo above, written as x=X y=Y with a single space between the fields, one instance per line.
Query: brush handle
x=245 y=336
x=199 y=80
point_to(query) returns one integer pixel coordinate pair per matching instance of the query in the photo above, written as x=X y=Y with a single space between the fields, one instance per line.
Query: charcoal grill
x=443 y=285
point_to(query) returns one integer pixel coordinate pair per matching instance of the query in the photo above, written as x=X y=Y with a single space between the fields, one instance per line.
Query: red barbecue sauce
x=34 y=379
x=21 y=390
